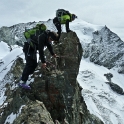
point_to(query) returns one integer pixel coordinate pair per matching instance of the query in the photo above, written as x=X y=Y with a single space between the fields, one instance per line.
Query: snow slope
x=100 y=99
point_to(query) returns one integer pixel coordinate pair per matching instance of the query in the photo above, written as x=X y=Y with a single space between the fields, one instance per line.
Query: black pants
x=58 y=25
x=31 y=61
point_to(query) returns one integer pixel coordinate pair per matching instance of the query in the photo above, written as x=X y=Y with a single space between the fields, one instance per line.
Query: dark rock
x=116 y=88
x=56 y=95
x=108 y=76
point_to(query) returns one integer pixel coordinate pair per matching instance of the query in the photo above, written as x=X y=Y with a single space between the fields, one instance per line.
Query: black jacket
x=39 y=42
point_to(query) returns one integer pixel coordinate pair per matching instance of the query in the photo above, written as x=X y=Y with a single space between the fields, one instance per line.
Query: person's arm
x=41 y=48
x=50 y=48
x=67 y=25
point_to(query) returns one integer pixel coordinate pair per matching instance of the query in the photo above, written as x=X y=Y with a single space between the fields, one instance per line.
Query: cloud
x=105 y=12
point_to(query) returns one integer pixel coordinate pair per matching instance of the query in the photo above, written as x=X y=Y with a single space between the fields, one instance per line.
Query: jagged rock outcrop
x=113 y=86
x=116 y=88
x=108 y=76
x=34 y=113
x=55 y=96
x=106 y=49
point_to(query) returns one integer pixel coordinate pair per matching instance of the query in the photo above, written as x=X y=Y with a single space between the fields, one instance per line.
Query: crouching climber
x=63 y=17
x=34 y=44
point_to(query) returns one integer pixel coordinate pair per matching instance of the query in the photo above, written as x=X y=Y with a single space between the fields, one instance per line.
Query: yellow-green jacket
x=64 y=18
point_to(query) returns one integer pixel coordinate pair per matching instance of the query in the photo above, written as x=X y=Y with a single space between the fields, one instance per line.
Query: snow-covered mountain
x=101 y=72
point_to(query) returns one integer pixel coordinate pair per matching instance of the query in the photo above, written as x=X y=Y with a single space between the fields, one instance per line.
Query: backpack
x=41 y=27
x=61 y=12
x=38 y=29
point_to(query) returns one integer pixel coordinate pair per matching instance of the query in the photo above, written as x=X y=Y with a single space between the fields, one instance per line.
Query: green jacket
x=64 y=18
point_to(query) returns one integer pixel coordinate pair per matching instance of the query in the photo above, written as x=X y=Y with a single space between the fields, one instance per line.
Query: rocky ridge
x=55 y=96
x=106 y=49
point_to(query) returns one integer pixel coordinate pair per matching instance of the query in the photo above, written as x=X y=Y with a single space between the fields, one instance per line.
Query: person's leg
x=30 y=66
x=58 y=25
x=67 y=26
x=31 y=62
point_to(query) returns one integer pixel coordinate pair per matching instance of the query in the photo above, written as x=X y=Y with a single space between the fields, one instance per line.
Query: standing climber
x=63 y=17
x=36 y=42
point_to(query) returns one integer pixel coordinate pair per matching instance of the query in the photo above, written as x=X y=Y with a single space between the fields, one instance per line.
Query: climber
x=63 y=17
x=30 y=49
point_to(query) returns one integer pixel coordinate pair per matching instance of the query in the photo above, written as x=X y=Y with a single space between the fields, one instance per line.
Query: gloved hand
x=56 y=42
x=69 y=31
x=55 y=55
x=43 y=65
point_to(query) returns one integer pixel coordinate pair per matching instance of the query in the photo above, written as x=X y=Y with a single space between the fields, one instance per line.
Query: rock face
x=113 y=86
x=34 y=113
x=106 y=49
x=55 y=96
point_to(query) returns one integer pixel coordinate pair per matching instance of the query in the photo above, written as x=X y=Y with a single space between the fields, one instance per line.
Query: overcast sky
x=100 y=12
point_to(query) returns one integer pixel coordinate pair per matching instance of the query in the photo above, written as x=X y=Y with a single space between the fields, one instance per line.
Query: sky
x=100 y=12
x=99 y=98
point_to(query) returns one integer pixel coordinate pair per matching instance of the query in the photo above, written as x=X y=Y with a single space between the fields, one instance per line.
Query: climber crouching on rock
x=63 y=17
x=45 y=39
